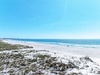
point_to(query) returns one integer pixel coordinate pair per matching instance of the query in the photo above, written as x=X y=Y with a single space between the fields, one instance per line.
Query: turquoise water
x=65 y=41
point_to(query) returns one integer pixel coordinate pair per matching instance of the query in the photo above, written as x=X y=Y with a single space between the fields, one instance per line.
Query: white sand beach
x=93 y=53
x=85 y=51
x=64 y=54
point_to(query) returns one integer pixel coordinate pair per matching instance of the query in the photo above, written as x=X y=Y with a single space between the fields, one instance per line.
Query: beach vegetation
x=6 y=46
x=43 y=56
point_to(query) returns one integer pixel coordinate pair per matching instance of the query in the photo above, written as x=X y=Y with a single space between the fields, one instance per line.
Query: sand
x=92 y=52
x=64 y=54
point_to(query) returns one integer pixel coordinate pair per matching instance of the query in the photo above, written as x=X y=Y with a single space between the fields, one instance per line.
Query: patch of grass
x=32 y=60
x=6 y=46
x=1 y=68
x=17 y=56
x=43 y=56
x=86 y=58
x=11 y=71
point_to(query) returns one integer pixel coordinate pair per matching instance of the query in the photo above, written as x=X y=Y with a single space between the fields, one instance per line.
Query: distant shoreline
x=88 y=43
x=75 y=50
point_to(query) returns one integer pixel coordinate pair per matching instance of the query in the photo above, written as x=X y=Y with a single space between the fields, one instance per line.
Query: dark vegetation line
x=6 y=46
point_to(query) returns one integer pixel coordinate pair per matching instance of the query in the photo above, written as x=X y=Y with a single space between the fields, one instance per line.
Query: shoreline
x=85 y=65
x=93 y=53
x=75 y=50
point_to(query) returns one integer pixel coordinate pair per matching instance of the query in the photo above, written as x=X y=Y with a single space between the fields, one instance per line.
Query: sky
x=50 y=19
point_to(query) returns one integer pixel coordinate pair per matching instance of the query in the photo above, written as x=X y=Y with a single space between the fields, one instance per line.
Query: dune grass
x=6 y=46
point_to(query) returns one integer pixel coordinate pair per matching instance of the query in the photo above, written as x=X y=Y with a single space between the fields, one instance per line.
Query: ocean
x=67 y=42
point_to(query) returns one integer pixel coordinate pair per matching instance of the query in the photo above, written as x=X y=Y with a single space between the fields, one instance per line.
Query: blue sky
x=61 y=19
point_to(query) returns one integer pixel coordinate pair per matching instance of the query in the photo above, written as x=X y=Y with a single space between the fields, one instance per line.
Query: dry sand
x=93 y=53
